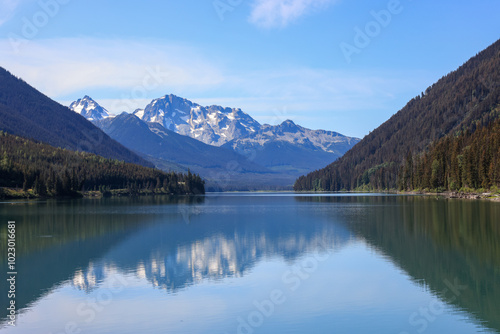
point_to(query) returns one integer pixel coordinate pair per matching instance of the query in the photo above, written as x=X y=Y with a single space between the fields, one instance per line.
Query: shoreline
x=13 y=194
x=457 y=195
x=446 y=194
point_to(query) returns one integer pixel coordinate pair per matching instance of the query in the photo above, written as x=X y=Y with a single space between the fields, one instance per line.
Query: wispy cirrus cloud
x=7 y=9
x=63 y=66
x=280 y=13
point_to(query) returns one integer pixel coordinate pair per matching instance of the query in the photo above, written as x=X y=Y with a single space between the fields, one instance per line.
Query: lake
x=254 y=263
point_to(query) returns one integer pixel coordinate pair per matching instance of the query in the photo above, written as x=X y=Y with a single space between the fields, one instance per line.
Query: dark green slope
x=465 y=99
x=43 y=170
x=437 y=243
x=26 y=112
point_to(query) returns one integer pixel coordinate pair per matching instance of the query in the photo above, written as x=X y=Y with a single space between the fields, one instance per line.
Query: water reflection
x=89 y=278
x=56 y=239
x=171 y=242
x=175 y=243
x=214 y=246
x=451 y=247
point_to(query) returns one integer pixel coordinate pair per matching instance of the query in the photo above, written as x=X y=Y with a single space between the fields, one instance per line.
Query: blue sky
x=337 y=65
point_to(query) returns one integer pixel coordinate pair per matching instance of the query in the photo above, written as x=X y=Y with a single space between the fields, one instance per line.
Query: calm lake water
x=254 y=263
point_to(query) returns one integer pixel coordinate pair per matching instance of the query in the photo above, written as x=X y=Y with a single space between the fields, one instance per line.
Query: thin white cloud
x=280 y=13
x=59 y=67
x=7 y=9
x=306 y=94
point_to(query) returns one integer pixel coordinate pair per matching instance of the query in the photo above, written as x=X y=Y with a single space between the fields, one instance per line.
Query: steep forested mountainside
x=43 y=170
x=462 y=101
x=470 y=160
x=26 y=112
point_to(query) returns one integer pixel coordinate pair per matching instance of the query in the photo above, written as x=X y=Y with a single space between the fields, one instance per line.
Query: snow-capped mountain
x=89 y=109
x=153 y=140
x=166 y=129
x=288 y=131
x=292 y=148
x=212 y=125
x=217 y=126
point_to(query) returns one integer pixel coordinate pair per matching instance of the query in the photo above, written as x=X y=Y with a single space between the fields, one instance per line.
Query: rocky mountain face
x=89 y=109
x=218 y=126
x=290 y=148
x=213 y=125
x=153 y=140
x=288 y=132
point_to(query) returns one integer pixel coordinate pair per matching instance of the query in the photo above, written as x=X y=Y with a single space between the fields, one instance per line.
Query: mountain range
x=444 y=138
x=288 y=147
x=225 y=145
x=48 y=150
x=156 y=142
x=213 y=125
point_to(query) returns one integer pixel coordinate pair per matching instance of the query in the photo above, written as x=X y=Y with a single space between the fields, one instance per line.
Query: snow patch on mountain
x=89 y=109
x=289 y=132
x=218 y=126
x=213 y=125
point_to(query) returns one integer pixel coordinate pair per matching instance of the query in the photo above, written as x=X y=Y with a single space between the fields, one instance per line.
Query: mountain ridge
x=461 y=100
x=154 y=140
x=26 y=112
x=213 y=125
x=288 y=146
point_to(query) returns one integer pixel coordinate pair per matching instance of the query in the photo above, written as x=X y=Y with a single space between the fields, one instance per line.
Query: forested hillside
x=37 y=169
x=26 y=112
x=470 y=160
x=453 y=108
